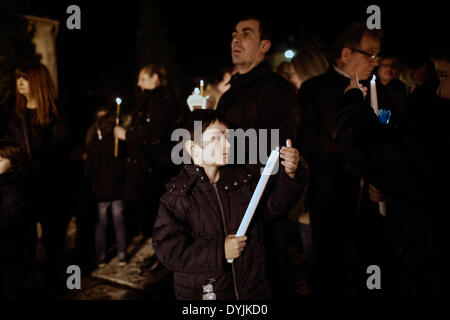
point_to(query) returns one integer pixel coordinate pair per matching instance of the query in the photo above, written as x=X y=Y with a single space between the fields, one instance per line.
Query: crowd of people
x=338 y=162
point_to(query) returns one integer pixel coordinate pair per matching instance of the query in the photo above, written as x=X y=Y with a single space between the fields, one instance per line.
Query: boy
x=194 y=233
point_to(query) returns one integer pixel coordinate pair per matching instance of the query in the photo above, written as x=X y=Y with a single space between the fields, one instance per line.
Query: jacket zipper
x=226 y=234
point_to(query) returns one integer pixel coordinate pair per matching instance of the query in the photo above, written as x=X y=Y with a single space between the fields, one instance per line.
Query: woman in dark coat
x=31 y=125
x=194 y=234
x=147 y=142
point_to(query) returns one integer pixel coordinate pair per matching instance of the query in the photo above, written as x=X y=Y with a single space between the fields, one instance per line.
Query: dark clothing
x=261 y=99
x=105 y=172
x=194 y=218
x=333 y=189
x=411 y=166
x=13 y=217
x=14 y=222
x=36 y=140
x=148 y=134
x=148 y=153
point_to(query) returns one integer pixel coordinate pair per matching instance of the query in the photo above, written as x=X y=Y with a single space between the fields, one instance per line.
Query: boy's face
x=215 y=147
x=5 y=164
x=443 y=72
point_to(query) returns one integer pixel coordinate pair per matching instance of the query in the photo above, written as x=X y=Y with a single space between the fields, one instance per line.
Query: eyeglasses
x=371 y=56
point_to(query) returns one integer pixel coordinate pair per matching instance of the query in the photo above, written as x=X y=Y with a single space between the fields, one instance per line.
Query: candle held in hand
x=268 y=171
x=116 y=140
x=373 y=95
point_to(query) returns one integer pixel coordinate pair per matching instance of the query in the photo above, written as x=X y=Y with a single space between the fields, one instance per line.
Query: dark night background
x=192 y=38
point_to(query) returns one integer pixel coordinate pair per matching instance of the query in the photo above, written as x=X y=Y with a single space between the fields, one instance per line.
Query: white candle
x=267 y=172
x=373 y=95
x=116 y=141
x=374 y=104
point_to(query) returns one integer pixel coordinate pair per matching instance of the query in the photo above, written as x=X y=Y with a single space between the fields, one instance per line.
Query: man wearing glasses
x=333 y=189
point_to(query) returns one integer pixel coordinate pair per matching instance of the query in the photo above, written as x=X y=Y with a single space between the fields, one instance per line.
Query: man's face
x=388 y=69
x=443 y=72
x=361 y=63
x=247 y=49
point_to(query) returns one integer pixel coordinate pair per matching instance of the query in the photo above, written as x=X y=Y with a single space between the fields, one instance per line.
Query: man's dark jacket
x=261 y=99
x=195 y=216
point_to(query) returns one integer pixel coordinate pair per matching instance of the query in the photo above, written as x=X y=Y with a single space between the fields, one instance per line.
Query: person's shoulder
x=319 y=80
x=180 y=185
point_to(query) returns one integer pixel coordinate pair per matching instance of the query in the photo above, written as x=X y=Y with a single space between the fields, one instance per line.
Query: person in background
x=15 y=220
x=308 y=62
x=220 y=85
x=147 y=140
x=106 y=173
x=411 y=166
x=333 y=189
x=262 y=99
x=392 y=92
x=31 y=124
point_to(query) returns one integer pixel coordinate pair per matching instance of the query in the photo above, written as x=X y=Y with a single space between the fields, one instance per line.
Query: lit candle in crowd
x=268 y=171
x=373 y=95
x=116 y=140
x=201 y=87
x=374 y=104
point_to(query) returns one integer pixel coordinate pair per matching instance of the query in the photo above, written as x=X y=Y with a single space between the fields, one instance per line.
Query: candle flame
x=196 y=91
x=118 y=100
x=201 y=82
x=373 y=78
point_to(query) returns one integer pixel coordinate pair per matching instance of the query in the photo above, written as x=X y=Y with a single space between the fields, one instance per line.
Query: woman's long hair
x=42 y=90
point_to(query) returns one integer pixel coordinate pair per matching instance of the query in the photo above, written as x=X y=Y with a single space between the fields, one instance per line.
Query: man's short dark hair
x=351 y=37
x=264 y=28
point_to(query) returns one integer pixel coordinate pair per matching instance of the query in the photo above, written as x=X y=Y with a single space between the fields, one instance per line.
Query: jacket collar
x=245 y=79
x=230 y=178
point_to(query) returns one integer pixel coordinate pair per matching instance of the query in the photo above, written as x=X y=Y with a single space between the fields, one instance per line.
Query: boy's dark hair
x=206 y=116
x=351 y=37
x=15 y=153
x=264 y=28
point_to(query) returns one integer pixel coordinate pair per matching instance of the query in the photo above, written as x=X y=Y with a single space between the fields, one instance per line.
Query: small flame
x=196 y=91
x=373 y=78
x=201 y=82
x=118 y=100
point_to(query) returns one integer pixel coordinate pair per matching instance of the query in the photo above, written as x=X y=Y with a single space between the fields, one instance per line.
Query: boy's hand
x=290 y=157
x=234 y=246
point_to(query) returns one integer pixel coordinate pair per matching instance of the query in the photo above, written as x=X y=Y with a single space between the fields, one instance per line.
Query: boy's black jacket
x=192 y=224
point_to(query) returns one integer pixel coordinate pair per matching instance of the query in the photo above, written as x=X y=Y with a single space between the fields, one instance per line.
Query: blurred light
x=196 y=91
x=289 y=54
x=118 y=100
